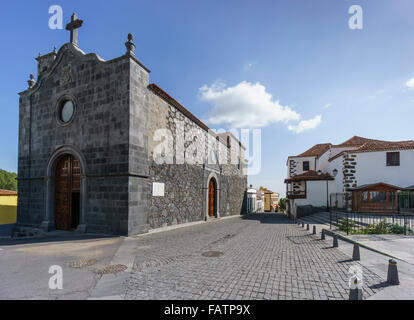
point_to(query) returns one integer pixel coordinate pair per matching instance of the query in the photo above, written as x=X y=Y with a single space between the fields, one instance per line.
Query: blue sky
x=301 y=52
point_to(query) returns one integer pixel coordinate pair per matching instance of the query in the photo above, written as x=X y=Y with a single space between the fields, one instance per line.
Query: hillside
x=8 y=180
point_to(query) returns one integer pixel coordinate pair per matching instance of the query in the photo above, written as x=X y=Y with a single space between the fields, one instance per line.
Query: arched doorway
x=212 y=198
x=67 y=193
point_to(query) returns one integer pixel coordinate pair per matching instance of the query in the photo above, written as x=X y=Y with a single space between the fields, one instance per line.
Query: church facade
x=101 y=150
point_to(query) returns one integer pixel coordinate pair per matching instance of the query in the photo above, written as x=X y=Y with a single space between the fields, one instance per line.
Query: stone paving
x=265 y=257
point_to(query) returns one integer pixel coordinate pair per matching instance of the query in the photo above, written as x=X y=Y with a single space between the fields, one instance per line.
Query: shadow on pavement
x=346 y=260
x=55 y=236
x=275 y=218
x=381 y=285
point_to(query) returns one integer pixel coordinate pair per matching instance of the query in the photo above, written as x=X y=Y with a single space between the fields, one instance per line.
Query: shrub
x=345 y=224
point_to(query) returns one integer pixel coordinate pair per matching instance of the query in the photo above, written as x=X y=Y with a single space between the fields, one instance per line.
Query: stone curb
x=184 y=225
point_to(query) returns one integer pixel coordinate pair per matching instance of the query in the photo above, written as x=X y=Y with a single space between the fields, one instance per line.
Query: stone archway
x=211 y=199
x=57 y=177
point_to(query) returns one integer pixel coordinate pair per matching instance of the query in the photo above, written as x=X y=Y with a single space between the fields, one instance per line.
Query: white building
x=326 y=168
x=260 y=201
x=251 y=200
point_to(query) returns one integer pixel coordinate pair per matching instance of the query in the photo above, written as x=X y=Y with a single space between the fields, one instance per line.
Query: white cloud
x=306 y=124
x=246 y=105
x=328 y=105
x=410 y=83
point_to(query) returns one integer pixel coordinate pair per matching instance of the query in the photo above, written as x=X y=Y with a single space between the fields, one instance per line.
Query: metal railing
x=387 y=213
x=365 y=223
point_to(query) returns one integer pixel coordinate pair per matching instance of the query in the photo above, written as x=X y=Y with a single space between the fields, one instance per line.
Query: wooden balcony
x=296 y=194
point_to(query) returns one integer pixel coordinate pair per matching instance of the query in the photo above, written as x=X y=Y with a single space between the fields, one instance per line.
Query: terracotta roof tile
x=316 y=151
x=373 y=186
x=356 y=141
x=310 y=175
x=385 y=145
x=378 y=145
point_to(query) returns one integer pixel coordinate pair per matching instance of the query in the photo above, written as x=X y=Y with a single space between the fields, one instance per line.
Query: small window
x=393 y=158
x=305 y=165
x=378 y=196
x=66 y=112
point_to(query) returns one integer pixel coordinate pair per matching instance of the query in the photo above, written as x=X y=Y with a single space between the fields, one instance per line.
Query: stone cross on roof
x=73 y=26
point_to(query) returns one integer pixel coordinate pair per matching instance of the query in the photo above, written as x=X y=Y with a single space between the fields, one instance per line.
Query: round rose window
x=66 y=113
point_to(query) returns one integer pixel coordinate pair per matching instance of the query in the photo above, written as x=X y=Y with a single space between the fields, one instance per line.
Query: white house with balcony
x=315 y=174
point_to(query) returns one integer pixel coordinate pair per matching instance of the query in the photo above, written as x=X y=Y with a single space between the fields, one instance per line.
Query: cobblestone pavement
x=265 y=257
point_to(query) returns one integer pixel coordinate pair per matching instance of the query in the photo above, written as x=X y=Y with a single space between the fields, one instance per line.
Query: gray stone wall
x=232 y=191
x=138 y=149
x=186 y=185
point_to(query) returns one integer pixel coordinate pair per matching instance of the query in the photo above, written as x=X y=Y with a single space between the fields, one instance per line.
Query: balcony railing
x=296 y=194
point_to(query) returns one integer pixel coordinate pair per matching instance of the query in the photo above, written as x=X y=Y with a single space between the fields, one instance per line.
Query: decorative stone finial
x=130 y=46
x=32 y=81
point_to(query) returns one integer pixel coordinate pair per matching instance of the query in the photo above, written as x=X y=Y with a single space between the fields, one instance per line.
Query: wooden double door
x=67 y=193
x=212 y=198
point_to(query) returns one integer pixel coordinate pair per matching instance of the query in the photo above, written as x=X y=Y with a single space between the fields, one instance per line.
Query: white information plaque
x=157 y=189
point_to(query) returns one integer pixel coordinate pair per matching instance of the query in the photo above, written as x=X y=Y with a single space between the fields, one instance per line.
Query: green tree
x=282 y=204
x=8 y=180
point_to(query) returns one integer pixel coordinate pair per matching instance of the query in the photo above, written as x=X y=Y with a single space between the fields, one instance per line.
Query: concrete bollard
x=307 y=226
x=355 y=292
x=355 y=253
x=314 y=230
x=322 y=235
x=392 y=276
x=335 y=241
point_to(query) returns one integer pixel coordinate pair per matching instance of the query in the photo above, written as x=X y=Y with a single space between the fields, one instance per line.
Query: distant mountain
x=8 y=180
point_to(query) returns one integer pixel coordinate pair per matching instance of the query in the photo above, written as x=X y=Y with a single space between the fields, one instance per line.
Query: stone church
x=101 y=150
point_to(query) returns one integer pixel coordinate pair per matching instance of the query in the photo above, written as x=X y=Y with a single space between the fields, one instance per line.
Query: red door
x=67 y=186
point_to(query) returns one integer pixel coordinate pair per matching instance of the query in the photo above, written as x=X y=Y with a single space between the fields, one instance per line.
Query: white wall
x=337 y=185
x=259 y=206
x=372 y=167
x=315 y=194
x=322 y=162
x=299 y=164
x=335 y=150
